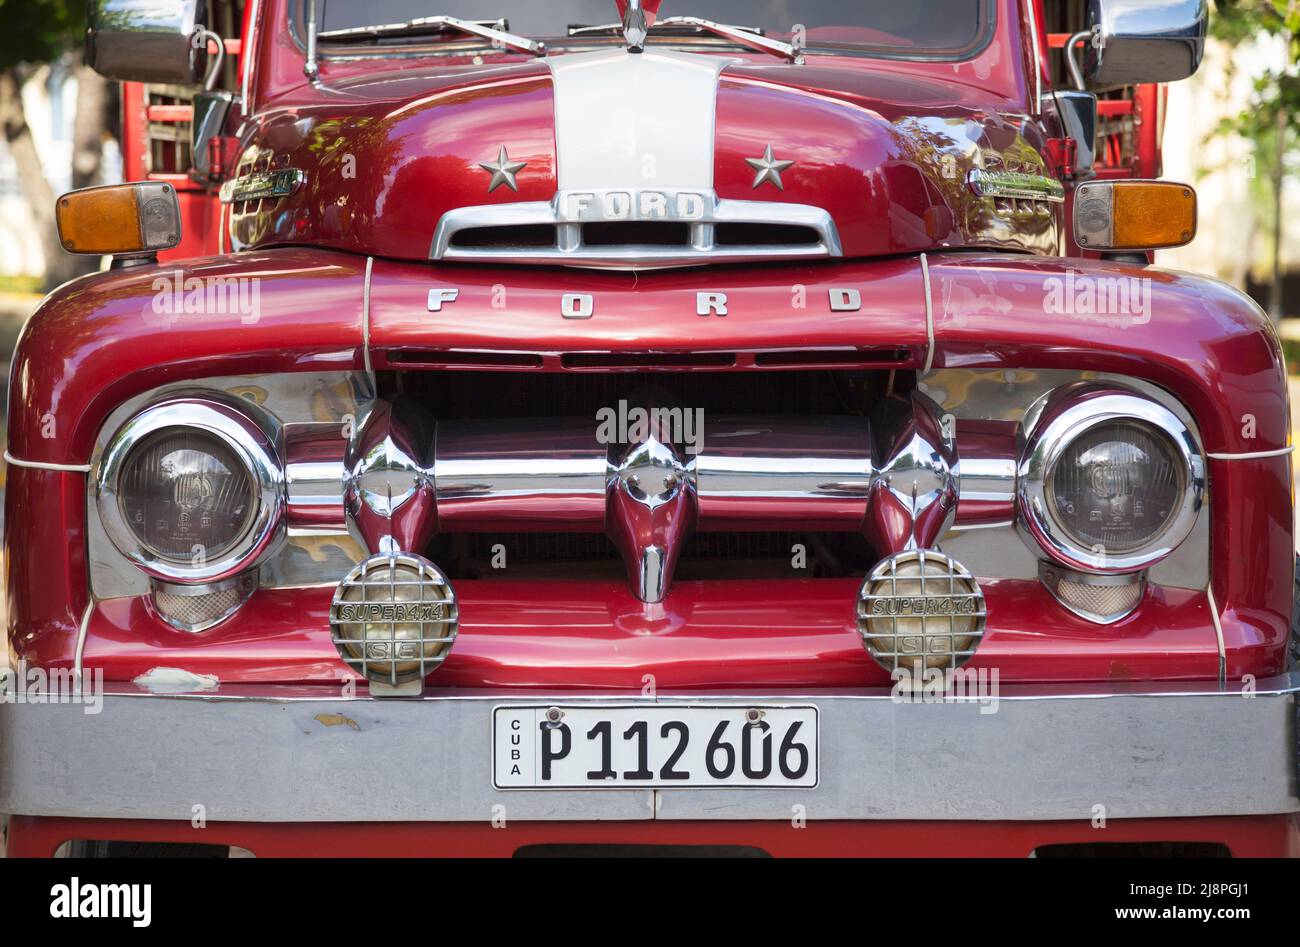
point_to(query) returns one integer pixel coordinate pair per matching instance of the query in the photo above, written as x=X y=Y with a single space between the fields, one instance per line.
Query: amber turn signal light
x=1134 y=215
x=126 y=219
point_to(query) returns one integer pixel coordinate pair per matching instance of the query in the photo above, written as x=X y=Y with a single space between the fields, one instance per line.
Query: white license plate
x=662 y=746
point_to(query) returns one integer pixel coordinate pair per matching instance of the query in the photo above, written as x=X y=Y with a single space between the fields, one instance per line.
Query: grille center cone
x=920 y=607
x=393 y=619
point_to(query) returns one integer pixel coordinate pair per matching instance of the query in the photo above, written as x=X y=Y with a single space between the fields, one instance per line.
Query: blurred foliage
x=1275 y=101
x=1270 y=122
x=36 y=31
x=1239 y=20
x=20 y=285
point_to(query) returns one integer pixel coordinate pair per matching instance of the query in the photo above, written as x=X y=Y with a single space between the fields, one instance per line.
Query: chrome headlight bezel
x=1066 y=416
x=241 y=435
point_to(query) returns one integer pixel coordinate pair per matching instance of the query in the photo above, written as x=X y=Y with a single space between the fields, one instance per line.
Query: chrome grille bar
x=893 y=476
x=700 y=212
x=759 y=474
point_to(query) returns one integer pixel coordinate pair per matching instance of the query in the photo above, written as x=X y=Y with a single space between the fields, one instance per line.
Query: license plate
x=665 y=747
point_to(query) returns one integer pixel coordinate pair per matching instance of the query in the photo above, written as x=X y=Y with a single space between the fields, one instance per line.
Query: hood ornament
x=767 y=168
x=638 y=17
x=503 y=171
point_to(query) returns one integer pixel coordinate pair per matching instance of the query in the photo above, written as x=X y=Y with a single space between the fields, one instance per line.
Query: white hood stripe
x=635 y=120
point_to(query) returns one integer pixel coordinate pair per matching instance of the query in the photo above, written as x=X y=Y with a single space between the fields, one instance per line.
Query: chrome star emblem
x=503 y=170
x=768 y=168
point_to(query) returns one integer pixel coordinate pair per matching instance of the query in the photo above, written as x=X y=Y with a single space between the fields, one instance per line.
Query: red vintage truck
x=535 y=428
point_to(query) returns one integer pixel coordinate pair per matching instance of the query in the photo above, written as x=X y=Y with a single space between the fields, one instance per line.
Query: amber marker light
x=1134 y=215
x=130 y=220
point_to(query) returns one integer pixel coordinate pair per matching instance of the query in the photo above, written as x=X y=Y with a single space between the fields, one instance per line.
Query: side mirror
x=1134 y=41
x=160 y=41
x=1077 y=114
x=211 y=110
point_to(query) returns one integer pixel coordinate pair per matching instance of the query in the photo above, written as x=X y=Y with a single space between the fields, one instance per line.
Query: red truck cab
x=603 y=424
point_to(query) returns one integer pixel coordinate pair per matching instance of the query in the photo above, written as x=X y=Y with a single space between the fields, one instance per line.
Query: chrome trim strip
x=1205 y=752
x=1253 y=455
x=262 y=185
x=1279 y=685
x=989 y=480
x=82 y=629
x=249 y=47
x=1218 y=634
x=569 y=248
x=929 y=315
x=314 y=492
x=1038 y=52
x=1016 y=185
x=490 y=474
x=365 y=318
x=43 y=465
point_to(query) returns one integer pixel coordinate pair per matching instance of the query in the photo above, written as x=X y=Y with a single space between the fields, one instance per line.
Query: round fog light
x=394 y=619
x=920 y=607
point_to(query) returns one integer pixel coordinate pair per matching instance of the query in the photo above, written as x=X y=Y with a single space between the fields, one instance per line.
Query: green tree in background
x=1271 y=121
x=34 y=33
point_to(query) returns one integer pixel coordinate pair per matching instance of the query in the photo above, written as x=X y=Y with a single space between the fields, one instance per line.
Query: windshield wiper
x=748 y=36
x=491 y=30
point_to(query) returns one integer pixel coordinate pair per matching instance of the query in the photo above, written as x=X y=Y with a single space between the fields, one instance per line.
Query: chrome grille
x=581 y=234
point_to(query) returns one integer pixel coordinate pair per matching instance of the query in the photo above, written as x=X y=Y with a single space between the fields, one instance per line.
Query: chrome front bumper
x=279 y=754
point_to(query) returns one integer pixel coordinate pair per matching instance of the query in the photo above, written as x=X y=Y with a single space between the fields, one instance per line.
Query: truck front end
x=573 y=434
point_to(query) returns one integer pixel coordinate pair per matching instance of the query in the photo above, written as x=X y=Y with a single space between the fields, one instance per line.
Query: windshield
x=913 y=28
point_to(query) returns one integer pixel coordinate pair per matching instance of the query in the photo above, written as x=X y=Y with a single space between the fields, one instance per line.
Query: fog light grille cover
x=1104 y=599
x=199 y=607
x=921 y=607
x=393 y=619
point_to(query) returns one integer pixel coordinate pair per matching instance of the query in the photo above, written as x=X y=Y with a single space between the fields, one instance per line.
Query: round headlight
x=190 y=491
x=186 y=495
x=1116 y=486
x=1111 y=481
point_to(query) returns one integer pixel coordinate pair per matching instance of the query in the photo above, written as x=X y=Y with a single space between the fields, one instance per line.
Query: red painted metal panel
x=1271 y=836
x=791 y=634
x=80 y=356
x=81 y=353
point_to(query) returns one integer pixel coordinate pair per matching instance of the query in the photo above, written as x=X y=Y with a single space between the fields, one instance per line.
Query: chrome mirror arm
x=310 y=67
x=1072 y=58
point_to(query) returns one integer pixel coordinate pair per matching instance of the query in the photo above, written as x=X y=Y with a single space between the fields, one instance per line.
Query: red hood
x=886 y=153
